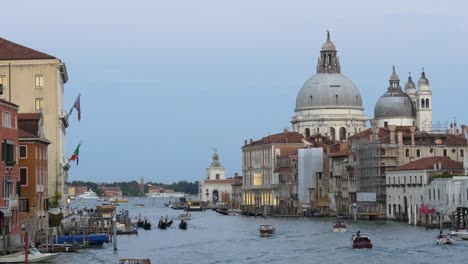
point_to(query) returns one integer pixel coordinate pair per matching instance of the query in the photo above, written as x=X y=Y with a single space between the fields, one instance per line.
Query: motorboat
x=339 y=227
x=34 y=255
x=267 y=230
x=361 y=241
x=462 y=234
x=54 y=248
x=118 y=200
x=88 y=195
x=167 y=195
x=139 y=205
x=134 y=261
x=185 y=217
x=444 y=240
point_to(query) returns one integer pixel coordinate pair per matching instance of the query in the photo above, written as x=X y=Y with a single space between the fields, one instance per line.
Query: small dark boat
x=361 y=241
x=183 y=225
x=139 y=223
x=162 y=225
x=222 y=211
x=266 y=230
x=128 y=232
x=147 y=226
x=168 y=224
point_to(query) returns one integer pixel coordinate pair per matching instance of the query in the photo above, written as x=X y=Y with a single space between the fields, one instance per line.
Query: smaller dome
x=423 y=80
x=410 y=84
x=394 y=103
x=394 y=77
x=328 y=45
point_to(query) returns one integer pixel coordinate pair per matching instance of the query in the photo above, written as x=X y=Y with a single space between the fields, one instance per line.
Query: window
x=461 y=153
x=342 y=133
x=23 y=152
x=420 y=179
x=385 y=124
x=3 y=82
x=332 y=133
x=257 y=179
x=38 y=104
x=438 y=194
x=24 y=176
x=321 y=192
x=39 y=80
x=217 y=176
x=307 y=132
x=6 y=119
x=24 y=204
x=319 y=175
x=423 y=104
x=8 y=152
x=418 y=153
x=454 y=150
x=407 y=153
x=427 y=103
x=445 y=153
x=7 y=189
x=429 y=195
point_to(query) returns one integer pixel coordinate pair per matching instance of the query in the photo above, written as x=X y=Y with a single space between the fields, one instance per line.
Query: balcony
x=12 y=203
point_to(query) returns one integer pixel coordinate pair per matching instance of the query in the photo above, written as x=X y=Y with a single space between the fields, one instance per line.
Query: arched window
x=423 y=105
x=307 y=132
x=445 y=153
x=427 y=103
x=407 y=153
x=418 y=153
x=332 y=133
x=342 y=133
x=336 y=98
x=321 y=192
x=318 y=130
x=382 y=152
x=461 y=153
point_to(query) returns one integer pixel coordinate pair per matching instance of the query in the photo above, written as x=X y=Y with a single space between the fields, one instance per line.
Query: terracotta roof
x=341 y=153
x=24 y=134
x=285 y=137
x=13 y=51
x=428 y=164
x=8 y=103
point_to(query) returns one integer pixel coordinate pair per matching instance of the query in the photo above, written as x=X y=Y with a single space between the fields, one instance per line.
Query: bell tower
x=424 y=104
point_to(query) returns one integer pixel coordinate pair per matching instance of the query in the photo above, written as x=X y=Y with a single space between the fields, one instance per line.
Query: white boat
x=88 y=195
x=186 y=216
x=462 y=234
x=167 y=195
x=445 y=240
x=34 y=255
x=339 y=227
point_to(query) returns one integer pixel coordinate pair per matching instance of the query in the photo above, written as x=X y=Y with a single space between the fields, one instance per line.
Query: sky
x=162 y=83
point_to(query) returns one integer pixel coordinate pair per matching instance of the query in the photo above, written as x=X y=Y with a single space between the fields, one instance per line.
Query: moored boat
x=93 y=239
x=34 y=255
x=462 y=234
x=339 y=227
x=88 y=195
x=267 y=230
x=54 y=248
x=361 y=241
x=134 y=261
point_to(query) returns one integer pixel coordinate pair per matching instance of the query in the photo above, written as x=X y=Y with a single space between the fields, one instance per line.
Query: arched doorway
x=215 y=197
x=307 y=132
x=332 y=133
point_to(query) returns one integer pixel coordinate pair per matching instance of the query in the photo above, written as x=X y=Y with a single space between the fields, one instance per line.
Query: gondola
x=183 y=225
x=162 y=225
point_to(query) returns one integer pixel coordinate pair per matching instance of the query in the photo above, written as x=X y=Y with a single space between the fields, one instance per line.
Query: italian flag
x=75 y=154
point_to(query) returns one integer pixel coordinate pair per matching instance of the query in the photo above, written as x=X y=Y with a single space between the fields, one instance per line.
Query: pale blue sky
x=164 y=82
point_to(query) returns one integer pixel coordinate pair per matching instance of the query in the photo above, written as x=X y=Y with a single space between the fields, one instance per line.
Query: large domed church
x=329 y=103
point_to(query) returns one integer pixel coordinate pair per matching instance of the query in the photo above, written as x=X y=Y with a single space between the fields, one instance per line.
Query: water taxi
x=34 y=255
x=339 y=227
x=134 y=261
x=361 y=241
x=267 y=230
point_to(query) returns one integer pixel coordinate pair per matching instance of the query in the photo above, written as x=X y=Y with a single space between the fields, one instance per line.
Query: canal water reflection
x=215 y=238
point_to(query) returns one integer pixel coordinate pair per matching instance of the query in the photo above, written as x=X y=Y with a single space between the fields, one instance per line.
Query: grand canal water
x=215 y=238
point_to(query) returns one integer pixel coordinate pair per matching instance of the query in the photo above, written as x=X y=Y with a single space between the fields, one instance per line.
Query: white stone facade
x=336 y=123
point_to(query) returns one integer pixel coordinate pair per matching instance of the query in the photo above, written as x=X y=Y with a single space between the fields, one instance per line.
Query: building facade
x=9 y=176
x=35 y=81
x=260 y=182
x=33 y=161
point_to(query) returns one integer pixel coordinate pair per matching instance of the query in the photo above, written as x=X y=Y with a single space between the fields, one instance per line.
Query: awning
x=5 y=212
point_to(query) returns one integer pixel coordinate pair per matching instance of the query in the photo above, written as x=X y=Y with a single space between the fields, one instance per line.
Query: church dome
x=328 y=90
x=394 y=103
